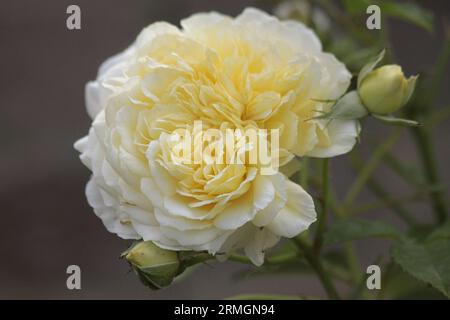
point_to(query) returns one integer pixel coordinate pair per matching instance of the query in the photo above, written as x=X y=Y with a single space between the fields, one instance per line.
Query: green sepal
x=393 y=121
x=349 y=107
x=370 y=66
x=157 y=277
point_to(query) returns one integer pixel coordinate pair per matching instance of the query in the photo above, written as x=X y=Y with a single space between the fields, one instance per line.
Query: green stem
x=386 y=41
x=273 y=260
x=239 y=258
x=316 y=264
x=304 y=173
x=318 y=242
x=380 y=204
x=438 y=117
x=384 y=280
x=341 y=19
x=399 y=167
x=353 y=261
x=283 y=258
x=440 y=70
x=349 y=248
x=422 y=135
x=426 y=151
x=286 y=258
x=370 y=166
x=360 y=288
x=337 y=210
x=382 y=194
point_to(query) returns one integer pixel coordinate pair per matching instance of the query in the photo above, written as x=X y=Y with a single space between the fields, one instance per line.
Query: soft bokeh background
x=45 y=221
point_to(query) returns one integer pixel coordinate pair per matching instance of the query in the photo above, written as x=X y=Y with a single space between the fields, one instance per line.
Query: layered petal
x=163 y=167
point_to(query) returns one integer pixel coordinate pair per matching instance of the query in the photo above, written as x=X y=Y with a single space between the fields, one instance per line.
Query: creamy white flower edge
x=282 y=207
x=144 y=206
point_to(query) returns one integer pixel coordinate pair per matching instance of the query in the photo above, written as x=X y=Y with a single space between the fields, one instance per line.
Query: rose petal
x=297 y=215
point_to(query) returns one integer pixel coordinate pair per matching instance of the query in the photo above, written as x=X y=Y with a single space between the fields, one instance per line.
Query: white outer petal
x=284 y=211
x=108 y=212
x=109 y=65
x=96 y=93
x=253 y=240
x=308 y=39
x=297 y=215
x=192 y=238
x=199 y=22
x=267 y=214
x=261 y=240
x=343 y=135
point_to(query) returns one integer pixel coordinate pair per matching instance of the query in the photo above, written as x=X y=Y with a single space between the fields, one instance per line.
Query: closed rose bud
x=385 y=90
x=155 y=267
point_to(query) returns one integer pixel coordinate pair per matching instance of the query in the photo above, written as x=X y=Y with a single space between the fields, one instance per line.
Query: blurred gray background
x=46 y=223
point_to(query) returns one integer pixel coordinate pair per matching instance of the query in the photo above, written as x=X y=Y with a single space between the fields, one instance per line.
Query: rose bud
x=385 y=89
x=155 y=267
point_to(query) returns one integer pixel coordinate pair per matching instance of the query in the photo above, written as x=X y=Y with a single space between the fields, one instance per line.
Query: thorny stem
x=384 y=279
x=429 y=163
x=304 y=173
x=438 y=117
x=383 y=203
x=422 y=135
x=349 y=248
x=400 y=168
x=379 y=191
x=274 y=260
x=316 y=264
x=439 y=70
x=366 y=171
x=318 y=242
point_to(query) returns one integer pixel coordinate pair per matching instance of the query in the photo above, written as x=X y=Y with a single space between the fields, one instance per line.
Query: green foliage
x=353 y=229
x=368 y=68
x=405 y=11
x=427 y=260
x=420 y=256
x=409 y=12
x=401 y=285
x=393 y=121
x=356 y=6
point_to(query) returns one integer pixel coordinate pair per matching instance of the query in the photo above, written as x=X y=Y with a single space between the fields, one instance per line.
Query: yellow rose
x=253 y=71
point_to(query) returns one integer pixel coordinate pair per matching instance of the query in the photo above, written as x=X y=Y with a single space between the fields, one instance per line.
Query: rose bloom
x=251 y=71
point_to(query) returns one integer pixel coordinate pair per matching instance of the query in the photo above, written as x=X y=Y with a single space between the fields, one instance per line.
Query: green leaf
x=442 y=233
x=409 y=12
x=356 y=59
x=349 y=107
x=393 y=121
x=402 y=285
x=428 y=261
x=356 y=6
x=370 y=66
x=353 y=229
